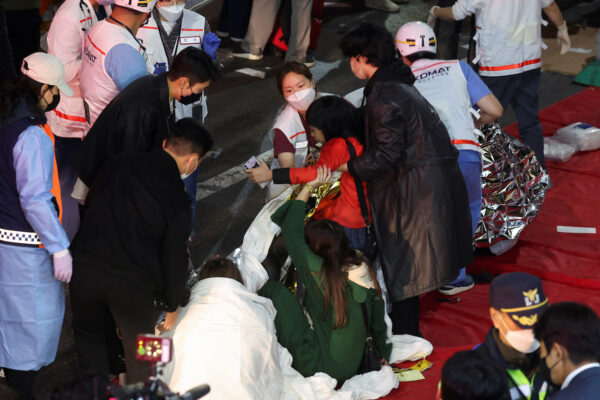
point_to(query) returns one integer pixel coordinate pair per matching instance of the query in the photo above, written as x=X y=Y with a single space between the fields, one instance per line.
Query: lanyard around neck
x=128 y=30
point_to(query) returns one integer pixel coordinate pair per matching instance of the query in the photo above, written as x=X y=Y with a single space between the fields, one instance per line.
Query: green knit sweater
x=341 y=350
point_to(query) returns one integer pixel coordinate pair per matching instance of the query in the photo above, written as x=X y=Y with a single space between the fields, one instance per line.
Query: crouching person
x=226 y=338
x=340 y=284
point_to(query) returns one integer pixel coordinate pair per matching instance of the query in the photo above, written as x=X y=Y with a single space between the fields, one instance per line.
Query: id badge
x=187 y=40
x=301 y=145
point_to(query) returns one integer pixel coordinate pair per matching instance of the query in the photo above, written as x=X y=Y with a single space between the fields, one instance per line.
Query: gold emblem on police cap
x=527 y=321
x=532 y=296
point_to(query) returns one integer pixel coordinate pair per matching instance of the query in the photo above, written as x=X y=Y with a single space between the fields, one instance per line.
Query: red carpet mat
x=569 y=264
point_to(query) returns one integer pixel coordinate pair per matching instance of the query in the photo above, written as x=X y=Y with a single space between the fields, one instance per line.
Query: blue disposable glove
x=210 y=44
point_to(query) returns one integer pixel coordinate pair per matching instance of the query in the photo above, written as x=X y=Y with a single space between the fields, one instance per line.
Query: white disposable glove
x=563 y=38
x=63 y=265
x=431 y=16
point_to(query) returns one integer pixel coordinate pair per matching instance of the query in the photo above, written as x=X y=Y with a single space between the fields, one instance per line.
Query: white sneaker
x=382 y=5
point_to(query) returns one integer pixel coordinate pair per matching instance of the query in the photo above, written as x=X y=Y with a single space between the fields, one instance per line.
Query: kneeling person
x=131 y=247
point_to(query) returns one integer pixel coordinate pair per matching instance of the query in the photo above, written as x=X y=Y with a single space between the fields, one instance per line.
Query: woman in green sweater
x=337 y=279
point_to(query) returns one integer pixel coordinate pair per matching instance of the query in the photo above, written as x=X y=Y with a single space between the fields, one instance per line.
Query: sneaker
x=241 y=53
x=459 y=287
x=309 y=60
x=382 y=5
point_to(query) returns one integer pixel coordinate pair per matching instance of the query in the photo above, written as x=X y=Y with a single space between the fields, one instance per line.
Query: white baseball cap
x=46 y=68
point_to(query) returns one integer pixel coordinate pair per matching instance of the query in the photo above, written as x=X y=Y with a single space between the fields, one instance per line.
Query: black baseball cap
x=521 y=296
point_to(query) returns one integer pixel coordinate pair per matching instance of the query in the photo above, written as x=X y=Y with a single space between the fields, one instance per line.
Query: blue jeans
x=469 y=162
x=191 y=186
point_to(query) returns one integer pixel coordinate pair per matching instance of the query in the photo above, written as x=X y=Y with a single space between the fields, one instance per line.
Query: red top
x=345 y=208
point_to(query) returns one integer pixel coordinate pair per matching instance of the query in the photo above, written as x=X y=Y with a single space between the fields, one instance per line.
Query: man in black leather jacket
x=417 y=193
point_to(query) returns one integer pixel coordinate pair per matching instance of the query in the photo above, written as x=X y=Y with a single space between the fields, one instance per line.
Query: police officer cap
x=521 y=296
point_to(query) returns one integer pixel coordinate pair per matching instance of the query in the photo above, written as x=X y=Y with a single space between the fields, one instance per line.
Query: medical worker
x=509 y=53
x=34 y=249
x=71 y=22
x=452 y=87
x=112 y=56
x=170 y=29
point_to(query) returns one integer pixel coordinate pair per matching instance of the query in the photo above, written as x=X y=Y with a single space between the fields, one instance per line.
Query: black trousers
x=95 y=297
x=7 y=65
x=405 y=317
x=23 y=33
x=21 y=382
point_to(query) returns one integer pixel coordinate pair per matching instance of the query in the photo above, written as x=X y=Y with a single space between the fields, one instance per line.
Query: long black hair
x=328 y=240
x=24 y=89
x=336 y=117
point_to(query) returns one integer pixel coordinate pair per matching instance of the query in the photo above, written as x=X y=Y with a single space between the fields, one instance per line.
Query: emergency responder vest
x=191 y=34
x=290 y=124
x=97 y=87
x=444 y=85
x=508 y=37
x=14 y=227
x=522 y=388
x=68 y=119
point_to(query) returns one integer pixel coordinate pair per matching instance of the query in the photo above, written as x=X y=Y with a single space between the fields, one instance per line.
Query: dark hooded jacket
x=416 y=191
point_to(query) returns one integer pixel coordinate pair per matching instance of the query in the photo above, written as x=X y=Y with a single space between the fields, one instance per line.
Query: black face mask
x=192 y=98
x=546 y=373
x=52 y=105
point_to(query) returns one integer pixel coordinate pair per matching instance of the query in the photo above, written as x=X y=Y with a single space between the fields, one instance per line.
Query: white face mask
x=522 y=340
x=302 y=99
x=171 y=13
x=183 y=176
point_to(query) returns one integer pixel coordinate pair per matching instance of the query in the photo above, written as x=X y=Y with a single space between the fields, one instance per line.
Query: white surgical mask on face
x=171 y=13
x=522 y=340
x=183 y=176
x=302 y=99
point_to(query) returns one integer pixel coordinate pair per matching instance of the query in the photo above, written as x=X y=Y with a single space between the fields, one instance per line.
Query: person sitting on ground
x=226 y=338
x=569 y=335
x=340 y=287
x=517 y=300
x=467 y=375
x=336 y=124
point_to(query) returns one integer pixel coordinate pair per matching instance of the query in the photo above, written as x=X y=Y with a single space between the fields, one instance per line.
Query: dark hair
x=220 y=268
x=574 y=326
x=194 y=64
x=468 y=375
x=328 y=240
x=25 y=89
x=292 y=66
x=420 y=55
x=371 y=41
x=189 y=136
x=336 y=117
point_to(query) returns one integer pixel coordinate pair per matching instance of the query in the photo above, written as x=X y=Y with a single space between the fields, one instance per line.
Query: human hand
x=210 y=44
x=260 y=174
x=63 y=265
x=323 y=175
x=343 y=168
x=168 y=323
x=563 y=38
x=383 y=361
x=431 y=16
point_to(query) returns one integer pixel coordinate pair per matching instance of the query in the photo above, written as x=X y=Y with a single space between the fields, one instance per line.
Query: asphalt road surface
x=242 y=109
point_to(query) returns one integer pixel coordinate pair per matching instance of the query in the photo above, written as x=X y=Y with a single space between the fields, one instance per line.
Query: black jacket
x=417 y=193
x=136 y=120
x=136 y=225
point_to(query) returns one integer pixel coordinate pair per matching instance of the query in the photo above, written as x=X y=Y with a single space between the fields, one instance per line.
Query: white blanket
x=226 y=337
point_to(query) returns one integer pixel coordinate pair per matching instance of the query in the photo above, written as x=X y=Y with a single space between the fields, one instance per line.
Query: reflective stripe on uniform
x=69 y=117
x=461 y=141
x=511 y=66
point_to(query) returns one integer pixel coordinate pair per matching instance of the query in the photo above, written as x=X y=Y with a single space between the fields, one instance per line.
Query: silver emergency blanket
x=514 y=186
